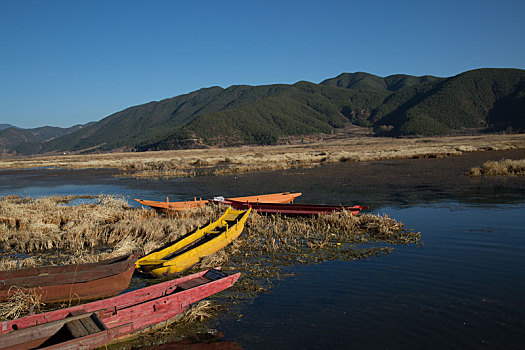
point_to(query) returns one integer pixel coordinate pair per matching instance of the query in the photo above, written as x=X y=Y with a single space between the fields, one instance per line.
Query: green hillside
x=463 y=101
x=11 y=137
x=369 y=81
x=136 y=124
x=487 y=100
x=6 y=126
x=397 y=105
x=302 y=108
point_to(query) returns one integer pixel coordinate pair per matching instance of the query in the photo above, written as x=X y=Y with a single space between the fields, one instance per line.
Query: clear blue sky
x=69 y=62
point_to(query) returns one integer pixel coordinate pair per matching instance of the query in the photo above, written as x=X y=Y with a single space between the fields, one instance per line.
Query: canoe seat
x=82 y=327
x=192 y=283
x=79 y=327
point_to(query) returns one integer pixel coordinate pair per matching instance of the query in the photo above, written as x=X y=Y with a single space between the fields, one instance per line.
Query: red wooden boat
x=70 y=282
x=94 y=324
x=292 y=209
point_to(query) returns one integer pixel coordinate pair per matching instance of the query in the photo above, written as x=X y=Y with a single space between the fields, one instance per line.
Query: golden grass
x=199 y=312
x=504 y=167
x=48 y=224
x=219 y=161
x=20 y=303
x=38 y=231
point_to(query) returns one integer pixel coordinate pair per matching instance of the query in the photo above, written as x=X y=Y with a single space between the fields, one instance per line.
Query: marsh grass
x=504 y=167
x=38 y=231
x=84 y=232
x=269 y=243
x=20 y=303
x=223 y=161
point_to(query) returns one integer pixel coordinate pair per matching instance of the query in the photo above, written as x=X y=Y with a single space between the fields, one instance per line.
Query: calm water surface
x=463 y=288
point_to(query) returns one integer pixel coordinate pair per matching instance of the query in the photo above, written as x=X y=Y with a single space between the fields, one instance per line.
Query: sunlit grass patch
x=221 y=161
x=19 y=304
x=504 y=167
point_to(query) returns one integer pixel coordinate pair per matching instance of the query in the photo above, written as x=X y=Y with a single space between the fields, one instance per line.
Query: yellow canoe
x=190 y=249
x=167 y=206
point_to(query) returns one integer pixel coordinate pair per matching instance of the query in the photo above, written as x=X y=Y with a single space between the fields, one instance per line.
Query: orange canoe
x=163 y=207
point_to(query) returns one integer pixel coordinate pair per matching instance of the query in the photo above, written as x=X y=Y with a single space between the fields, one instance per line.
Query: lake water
x=463 y=288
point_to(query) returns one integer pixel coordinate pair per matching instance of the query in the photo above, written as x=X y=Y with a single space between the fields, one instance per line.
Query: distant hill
x=488 y=100
x=139 y=124
x=361 y=80
x=30 y=141
x=6 y=126
x=398 y=105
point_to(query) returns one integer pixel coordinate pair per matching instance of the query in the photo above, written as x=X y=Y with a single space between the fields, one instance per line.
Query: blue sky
x=69 y=62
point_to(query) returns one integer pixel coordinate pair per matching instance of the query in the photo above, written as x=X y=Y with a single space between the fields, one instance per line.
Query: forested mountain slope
x=398 y=105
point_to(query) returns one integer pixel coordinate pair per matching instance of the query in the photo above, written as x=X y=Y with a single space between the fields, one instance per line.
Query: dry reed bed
x=29 y=225
x=504 y=167
x=38 y=231
x=109 y=226
x=217 y=161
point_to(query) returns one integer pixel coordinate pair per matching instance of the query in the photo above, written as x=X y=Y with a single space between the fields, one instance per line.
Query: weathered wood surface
x=105 y=320
x=292 y=209
x=70 y=282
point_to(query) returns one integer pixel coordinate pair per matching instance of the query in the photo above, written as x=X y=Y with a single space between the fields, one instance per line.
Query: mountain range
x=485 y=100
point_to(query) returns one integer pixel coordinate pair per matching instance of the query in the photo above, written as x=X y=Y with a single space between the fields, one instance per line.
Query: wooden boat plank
x=125 y=321
x=91 y=326
x=42 y=280
x=109 y=305
x=60 y=269
x=170 y=305
x=76 y=328
x=88 y=285
x=193 y=283
x=36 y=335
x=292 y=209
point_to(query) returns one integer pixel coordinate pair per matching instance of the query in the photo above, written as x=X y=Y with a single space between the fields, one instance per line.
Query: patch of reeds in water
x=38 y=231
x=270 y=243
x=85 y=231
x=504 y=167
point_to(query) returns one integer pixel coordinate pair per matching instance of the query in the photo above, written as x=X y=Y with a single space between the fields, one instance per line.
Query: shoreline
x=224 y=161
